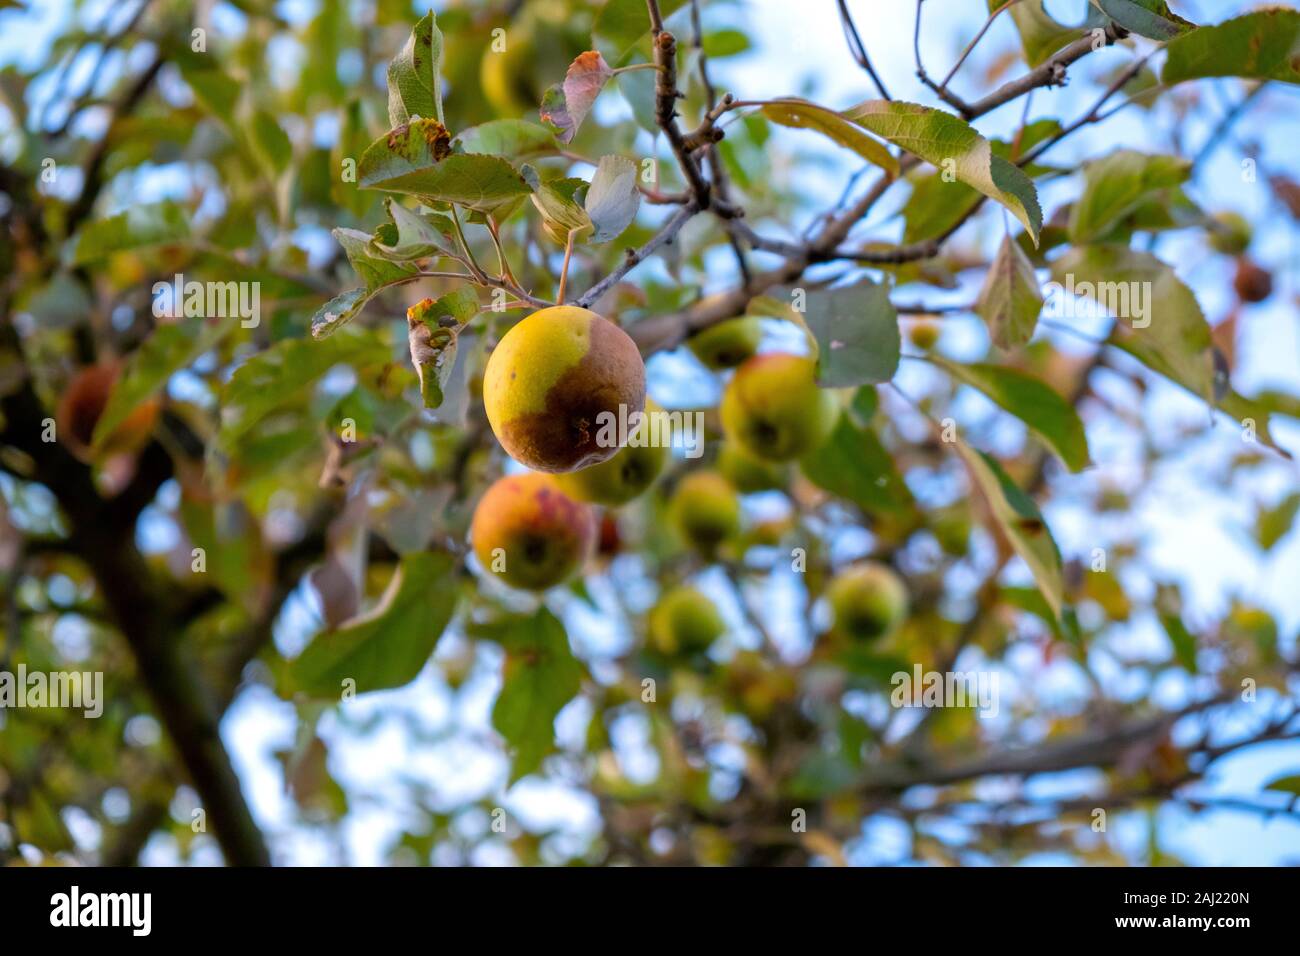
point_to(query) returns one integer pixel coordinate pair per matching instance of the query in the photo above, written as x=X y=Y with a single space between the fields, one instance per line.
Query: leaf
x=724 y=43
x=621 y=24
x=1273 y=524
x=560 y=201
x=1040 y=33
x=612 y=198
x=1263 y=45
x=1020 y=522
x=638 y=88
x=416 y=159
x=1287 y=784
x=1182 y=639
x=856 y=328
x=949 y=143
x=339 y=311
x=1064 y=628
x=1148 y=18
x=411 y=235
x=1254 y=412
x=353 y=138
x=1175 y=341
x=935 y=206
x=236 y=557
x=801 y=114
x=168 y=349
x=283 y=372
x=136 y=228
x=854 y=465
x=389 y=645
x=511 y=138
x=217 y=92
x=566 y=105
x=1037 y=404
x=432 y=335
x=541 y=676
x=270 y=142
x=414 y=85
x=1116 y=185
x=1010 y=301
x=375 y=272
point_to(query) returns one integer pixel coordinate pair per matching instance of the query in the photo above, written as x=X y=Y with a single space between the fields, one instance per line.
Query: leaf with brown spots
x=1018 y=520
x=414 y=86
x=413 y=159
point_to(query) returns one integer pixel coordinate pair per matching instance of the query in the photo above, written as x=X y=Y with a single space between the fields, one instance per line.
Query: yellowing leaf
x=1020 y=522
x=954 y=146
x=801 y=114
x=1010 y=301
x=1037 y=404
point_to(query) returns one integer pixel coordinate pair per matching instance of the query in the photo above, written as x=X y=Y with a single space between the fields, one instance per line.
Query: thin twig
x=857 y=49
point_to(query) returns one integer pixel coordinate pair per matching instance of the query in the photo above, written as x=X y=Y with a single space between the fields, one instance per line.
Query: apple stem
x=564 y=269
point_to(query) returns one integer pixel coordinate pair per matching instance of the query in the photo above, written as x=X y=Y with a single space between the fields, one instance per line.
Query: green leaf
x=1064 y=628
x=621 y=24
x=1010 y=301
x=374 y=271
x=410 y=235
x=638 y=88
x=1020 y=522
x=1287 y=784
x=1253 y=412
x=339 y=311
x=1273 y=524
x=856 y=328
x=566 y=105
x=541 y=676
x=414 y=85
x=801 y=114
x=389 y=645
x=270 y=142
x=935 y=206
x=723 y=43
x=1148 y=18
x=612 y=198
x=1116 y=185
x=217 y=92
x=168 y=349
x=511 y=138
x=1040 y=33
x=854 y=465
x=1182 y=639
x=1175 y=341
x=416 y=160
x=236 y=558
x=1263 y=45
x=951 y=144
x=136 y=228
x=353 y=138
x=285 y=371
x=560 y=201
x=1037 y=404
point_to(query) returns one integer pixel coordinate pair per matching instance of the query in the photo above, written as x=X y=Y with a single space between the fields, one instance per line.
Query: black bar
x=335 y=906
